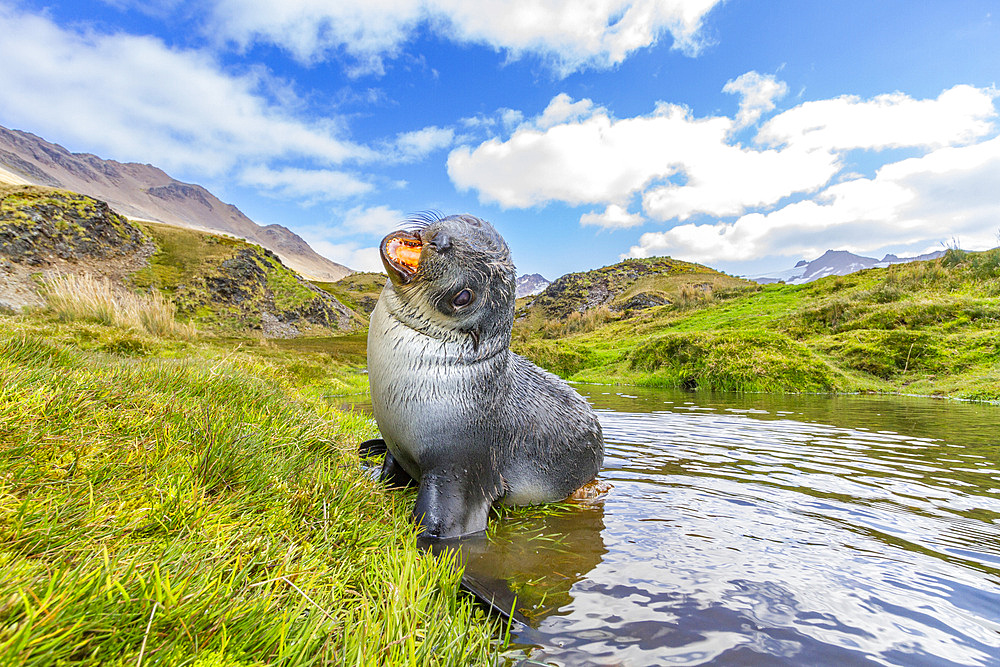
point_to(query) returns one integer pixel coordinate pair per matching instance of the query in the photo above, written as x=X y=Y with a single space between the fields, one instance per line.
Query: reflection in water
x=758 y=529
x=562 y=546
x=783 y=530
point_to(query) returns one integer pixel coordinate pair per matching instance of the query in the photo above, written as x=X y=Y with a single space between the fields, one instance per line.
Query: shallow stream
x=758 y=529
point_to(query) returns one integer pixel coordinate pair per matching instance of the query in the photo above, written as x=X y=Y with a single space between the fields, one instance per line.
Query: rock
x=272 y=327
x=642 y=301
x=254 y=282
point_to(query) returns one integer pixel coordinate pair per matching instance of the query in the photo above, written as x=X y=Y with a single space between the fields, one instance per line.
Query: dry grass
x=84 y=297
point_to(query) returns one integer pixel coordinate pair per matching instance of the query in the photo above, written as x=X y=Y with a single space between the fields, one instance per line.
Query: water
x=767 y=530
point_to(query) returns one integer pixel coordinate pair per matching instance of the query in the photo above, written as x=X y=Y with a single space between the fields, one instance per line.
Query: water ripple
x=740 y=533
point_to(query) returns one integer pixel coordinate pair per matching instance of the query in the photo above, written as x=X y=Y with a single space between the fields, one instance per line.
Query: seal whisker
x=421 y=220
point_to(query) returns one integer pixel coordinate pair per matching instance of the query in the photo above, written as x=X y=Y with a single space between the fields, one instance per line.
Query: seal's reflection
x=526 y=566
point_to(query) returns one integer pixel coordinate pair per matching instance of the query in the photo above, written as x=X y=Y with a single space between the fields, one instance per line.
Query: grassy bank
x=168 y=501
x=925 y=328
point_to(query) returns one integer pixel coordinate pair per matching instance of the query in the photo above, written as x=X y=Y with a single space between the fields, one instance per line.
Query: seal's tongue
x=401 y=255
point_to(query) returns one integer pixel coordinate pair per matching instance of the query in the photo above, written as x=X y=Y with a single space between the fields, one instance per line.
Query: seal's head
x=452 y=276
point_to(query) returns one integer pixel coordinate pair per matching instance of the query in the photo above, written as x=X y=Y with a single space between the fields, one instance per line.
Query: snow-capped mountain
x=530 y=284
x=835 y=263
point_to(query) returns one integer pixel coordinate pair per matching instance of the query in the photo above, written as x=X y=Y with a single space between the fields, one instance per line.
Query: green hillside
x=221 y=284
x=925 y=328
x=582 y=301
x=230 y=285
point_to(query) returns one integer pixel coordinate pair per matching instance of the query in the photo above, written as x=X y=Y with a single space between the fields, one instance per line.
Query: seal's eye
x=463 y=298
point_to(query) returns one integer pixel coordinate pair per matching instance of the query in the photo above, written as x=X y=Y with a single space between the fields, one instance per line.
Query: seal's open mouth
x=401 y=255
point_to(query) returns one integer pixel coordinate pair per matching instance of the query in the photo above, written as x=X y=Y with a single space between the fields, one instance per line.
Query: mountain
x=144 y=192
x=835 y=263
x=530 y=284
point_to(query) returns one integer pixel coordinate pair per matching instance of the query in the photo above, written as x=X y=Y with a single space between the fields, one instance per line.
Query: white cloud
x=613 y=217
x=958 y=115
x=570 y=34
x=917 y=202
x=351 y=255
x=757 y=94
x=134 y=98
x=511 y=118
x=682 y=165
x=311 y=184
x=563 y=109
x=375 y=220
x=416 y=145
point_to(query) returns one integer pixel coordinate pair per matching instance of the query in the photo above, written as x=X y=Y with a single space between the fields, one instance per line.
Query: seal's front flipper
x=375 y=447
x=452 y=506
x=493 y=593
x=393 y=474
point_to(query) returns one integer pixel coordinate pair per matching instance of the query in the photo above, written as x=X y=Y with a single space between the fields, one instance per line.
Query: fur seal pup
x=469 y=420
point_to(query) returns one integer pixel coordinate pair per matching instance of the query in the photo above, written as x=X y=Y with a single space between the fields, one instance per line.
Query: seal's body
x=459 y=412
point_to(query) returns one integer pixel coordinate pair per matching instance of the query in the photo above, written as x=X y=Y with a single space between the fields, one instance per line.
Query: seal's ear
x=474 y=335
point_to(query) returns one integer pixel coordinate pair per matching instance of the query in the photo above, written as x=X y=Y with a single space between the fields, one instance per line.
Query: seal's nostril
x=441 y=241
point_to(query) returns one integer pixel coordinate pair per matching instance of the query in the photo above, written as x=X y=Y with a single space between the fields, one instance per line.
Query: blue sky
x=744 y=135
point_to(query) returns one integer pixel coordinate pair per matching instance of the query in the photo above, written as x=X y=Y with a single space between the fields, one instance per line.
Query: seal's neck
x=462 y=346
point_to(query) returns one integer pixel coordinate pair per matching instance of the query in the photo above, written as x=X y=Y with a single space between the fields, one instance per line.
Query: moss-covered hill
x=631 y=285
x=231 y=285
x=220 y=283
x=39 y=225
x=582 y=301
x=926 y=328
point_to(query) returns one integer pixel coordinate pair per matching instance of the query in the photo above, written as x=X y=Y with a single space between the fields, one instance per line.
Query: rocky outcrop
x=579 y=292
x=38 y=226
x=50 y=232
x=644 y=300
x=253 y=289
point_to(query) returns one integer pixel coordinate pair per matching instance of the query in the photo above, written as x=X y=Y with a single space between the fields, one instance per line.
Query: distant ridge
x=835 y=263
x=146 y=192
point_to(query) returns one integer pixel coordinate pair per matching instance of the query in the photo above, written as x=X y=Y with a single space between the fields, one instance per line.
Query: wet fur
x=470 y=421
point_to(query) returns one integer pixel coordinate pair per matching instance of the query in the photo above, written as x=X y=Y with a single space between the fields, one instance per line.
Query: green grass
x=182 y=255
x=926 y=327
x=198 y=502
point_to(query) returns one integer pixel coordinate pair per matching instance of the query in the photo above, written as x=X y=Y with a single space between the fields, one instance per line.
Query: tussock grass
x=573 y=323
x=84 y=297
x=191 y=511
x=922 y=327
x=732 y=361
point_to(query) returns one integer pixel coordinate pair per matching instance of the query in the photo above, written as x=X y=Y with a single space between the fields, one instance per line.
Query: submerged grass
x=201 y=510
